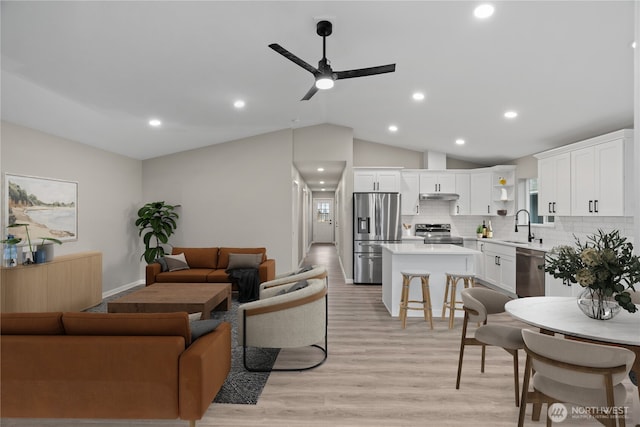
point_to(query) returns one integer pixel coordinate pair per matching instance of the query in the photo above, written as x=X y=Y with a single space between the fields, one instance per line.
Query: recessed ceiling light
x=393 y=128
x=633 y=45
x=155 y=123
x=460 y=141
x=511 y=114
x=239 y=104
x=320 y=169
x=483 y=11
x=418 y=96
x=321 y=182
x=323 y=189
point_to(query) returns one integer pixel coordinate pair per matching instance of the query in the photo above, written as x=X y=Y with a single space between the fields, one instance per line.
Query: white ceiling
x=96 y=72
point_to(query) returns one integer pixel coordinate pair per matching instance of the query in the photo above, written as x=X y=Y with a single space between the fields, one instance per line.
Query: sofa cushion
x=295 y=287
x=31 y=324
x=176 y=262
x=218 y=276
x=223 y=255
x=163 y=264
x=192 y=275
x=199 y=257
x=244 y=261
x=203 y=327
x=128 y=324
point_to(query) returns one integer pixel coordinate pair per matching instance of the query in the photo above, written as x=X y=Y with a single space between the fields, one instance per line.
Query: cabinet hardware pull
x=590 y=205
x=488 y=208
x=595 y=206
x=550 y=210
x=554 y=207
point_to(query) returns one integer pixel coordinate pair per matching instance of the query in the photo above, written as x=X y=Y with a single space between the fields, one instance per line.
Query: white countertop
x=533 y=245
x=413 y=249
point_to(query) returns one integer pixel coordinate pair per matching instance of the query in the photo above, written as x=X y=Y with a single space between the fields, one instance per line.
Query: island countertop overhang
x=427 y=249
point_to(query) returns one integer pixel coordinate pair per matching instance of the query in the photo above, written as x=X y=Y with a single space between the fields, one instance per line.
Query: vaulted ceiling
x=96 y=72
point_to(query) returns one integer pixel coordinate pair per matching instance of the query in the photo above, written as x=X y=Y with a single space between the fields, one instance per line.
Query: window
x=322 y=212
x=528 y=199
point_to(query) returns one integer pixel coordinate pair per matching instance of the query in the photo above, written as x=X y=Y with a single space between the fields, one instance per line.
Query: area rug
x=241 y=386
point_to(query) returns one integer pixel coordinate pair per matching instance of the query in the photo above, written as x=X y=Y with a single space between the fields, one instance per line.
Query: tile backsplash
x=561 y=233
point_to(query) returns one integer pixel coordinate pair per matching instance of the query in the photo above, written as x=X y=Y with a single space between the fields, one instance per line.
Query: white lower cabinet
x=557 y=288
x=500 y=266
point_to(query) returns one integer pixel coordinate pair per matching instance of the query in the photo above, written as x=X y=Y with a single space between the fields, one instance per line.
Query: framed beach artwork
x=49 y=206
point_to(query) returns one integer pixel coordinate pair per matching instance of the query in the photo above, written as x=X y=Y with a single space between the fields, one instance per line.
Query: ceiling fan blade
x=361 y=72
x=310 y=93
x=291 y=57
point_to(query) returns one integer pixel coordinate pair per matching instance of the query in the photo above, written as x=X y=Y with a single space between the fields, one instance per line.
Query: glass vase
x=597 y=306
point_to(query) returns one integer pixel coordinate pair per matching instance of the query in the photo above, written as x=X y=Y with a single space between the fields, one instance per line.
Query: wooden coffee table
x=172 y=297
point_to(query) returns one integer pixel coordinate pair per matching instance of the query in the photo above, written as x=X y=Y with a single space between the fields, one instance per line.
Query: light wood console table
x=67 y=283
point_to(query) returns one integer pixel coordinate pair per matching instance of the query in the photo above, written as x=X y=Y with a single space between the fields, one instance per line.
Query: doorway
x=323 y=231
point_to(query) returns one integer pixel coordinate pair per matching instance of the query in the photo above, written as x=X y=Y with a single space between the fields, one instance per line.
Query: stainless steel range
x=438 y=234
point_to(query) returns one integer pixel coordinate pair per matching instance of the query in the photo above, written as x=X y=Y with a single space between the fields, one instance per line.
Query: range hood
x=439 y=196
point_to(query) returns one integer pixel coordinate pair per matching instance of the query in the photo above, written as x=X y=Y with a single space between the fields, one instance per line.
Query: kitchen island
x=437 y=259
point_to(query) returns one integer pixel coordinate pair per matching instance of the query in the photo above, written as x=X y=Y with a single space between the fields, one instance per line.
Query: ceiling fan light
x=324 y=83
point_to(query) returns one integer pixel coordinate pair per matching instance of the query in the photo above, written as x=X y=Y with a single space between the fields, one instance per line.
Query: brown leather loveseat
x=109 y=365
x=208 y=265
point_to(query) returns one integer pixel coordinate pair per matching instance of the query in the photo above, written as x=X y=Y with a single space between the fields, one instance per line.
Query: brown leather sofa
x=109 y=365
x=208 y=265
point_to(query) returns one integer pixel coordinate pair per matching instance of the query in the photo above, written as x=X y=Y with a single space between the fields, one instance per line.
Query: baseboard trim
x=122 y=288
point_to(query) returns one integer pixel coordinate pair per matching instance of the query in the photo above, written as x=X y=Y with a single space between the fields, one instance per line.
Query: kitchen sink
x=516 y=241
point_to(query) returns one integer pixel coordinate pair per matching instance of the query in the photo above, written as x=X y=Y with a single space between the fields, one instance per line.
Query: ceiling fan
x=324 y=75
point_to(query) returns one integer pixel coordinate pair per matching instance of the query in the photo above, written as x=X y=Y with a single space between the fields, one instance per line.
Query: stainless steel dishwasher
x=529 y=272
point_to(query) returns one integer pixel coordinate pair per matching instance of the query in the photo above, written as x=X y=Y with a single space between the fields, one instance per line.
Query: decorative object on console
x=605 y=266
x=41 y=254
x=157 y=220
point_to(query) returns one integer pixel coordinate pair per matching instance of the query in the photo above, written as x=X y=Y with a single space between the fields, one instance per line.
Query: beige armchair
x=581 y=373
x=281 y=319
x=316 y=271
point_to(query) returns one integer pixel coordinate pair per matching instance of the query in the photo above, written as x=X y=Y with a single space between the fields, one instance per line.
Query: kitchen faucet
x=529 y=236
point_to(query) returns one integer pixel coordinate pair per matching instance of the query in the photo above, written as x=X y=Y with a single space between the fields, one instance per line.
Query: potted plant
x=479 y=231
x=157 y=220
x=44 y=251
x=605 y=266
x=35 y=258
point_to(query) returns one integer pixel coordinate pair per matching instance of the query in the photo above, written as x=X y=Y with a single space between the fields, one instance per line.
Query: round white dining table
x=562 y=315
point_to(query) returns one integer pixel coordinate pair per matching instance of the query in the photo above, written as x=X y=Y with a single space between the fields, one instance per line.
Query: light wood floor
x=377 y=374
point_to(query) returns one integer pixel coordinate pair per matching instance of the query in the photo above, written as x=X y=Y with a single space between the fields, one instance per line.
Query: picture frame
x=48 y=205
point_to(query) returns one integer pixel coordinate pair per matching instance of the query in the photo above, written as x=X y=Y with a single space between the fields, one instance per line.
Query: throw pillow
x=295 y=287
x=176 y=262
x=203 y=327
x=163 y=264
x=244 y=261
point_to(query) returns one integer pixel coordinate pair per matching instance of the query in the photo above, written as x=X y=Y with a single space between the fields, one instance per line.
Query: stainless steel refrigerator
x=376 y=220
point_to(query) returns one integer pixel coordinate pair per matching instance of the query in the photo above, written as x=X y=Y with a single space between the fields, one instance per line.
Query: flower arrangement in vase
x=605 y=266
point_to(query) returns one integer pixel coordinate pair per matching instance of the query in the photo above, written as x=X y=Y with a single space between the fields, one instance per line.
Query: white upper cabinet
x=376 y=180
x=480 y=196
x=554 y=185
x=462 y=206
x=594 y=175
x=599 y=182
x=410 y=186
x=434 y=182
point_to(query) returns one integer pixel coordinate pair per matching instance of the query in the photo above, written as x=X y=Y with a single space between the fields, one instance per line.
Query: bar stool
x=450 y=302
x=407 y=276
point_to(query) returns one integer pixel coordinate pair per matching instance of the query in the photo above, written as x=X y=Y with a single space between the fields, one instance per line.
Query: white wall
x=234 y=194
x=109 y=194
x=367 y=153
